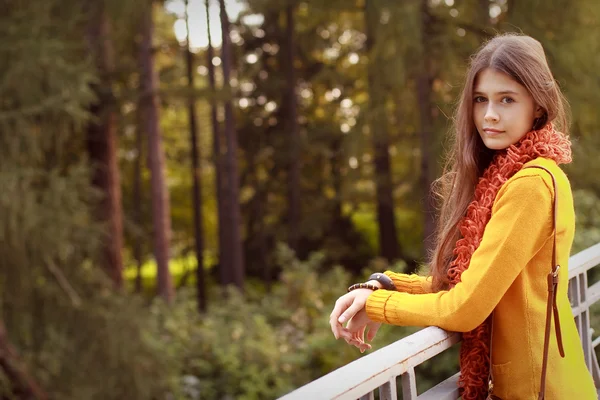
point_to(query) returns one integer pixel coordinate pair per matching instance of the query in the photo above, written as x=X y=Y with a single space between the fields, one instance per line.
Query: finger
x=359 y=338
x=352 y=342
x=340 y=332
x=361 y=334
x=350 y=312
x=340 y=305
x=373 y=328
x=361 y=345
x=356 y=342
x=364 y=347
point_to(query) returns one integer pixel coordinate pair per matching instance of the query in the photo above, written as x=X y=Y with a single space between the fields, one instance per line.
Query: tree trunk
x=102 y=142
x=224 y=255
x=24 y=385
x=484 y=12
x=263 y=249
x=292 y=129
x=233 y=216
x=424 y=81
x=137 y=204
x=196 y=173
x=160 y=195
x=388 y=238
x=337 y=180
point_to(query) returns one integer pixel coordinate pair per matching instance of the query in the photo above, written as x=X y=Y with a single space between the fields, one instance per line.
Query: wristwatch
x=385 y=280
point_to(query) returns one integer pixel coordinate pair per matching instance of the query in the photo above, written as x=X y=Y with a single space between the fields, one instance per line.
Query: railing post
x=388 y=391
x=583 y=320
x=595 y=370
x=409 y=385
x=587 y=344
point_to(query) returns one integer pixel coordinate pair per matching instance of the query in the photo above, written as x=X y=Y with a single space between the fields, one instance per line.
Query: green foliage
x=587 y=229
x=264 y=344
x=74 y=334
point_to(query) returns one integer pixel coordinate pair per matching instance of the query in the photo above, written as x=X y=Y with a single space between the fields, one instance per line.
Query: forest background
x=179 y=210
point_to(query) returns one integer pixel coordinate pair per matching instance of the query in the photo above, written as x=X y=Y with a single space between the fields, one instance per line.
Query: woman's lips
x=491 y=131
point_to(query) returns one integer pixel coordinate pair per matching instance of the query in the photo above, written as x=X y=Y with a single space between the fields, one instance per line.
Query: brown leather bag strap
x=551 y=306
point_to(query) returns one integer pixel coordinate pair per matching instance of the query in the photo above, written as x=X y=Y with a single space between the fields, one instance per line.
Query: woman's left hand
x=358 y=326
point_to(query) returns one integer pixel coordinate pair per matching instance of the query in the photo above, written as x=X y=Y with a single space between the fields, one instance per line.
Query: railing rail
x=379 y=370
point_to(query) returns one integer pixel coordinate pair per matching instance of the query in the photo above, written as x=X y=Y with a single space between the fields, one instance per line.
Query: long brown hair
x=523 y=59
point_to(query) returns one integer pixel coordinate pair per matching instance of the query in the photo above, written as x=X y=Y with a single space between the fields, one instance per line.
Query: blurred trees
x=196 y=173
x=292 y=127
x=102 y=139
x=150 y=111
x=235 y=271
x=67 y=329
x=378 y=129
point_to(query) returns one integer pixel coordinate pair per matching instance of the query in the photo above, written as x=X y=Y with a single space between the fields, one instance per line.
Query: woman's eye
x=507 y=100
x=479 y=99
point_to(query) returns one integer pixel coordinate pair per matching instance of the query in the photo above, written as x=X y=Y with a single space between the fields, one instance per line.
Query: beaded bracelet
x=362 y=286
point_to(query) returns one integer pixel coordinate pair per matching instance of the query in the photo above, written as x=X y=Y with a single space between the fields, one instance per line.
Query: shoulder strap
x=552 y=291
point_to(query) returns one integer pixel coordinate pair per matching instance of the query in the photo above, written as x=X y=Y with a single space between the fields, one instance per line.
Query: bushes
x=263 y=345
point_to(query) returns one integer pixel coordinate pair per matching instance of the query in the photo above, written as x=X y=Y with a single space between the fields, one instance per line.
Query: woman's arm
x=519 y=227
x=413 y=283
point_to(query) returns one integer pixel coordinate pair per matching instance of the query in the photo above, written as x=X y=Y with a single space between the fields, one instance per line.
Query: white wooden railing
x=379 y=370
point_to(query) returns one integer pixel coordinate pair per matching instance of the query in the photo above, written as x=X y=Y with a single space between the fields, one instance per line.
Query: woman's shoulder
x=532 y=169
x=535 y=183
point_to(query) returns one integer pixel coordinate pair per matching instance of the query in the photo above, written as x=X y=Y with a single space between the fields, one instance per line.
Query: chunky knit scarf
x=546 y=142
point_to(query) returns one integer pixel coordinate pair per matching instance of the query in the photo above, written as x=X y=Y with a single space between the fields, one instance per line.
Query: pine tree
x=233 y=214
x=102 y=140
x=160 y=194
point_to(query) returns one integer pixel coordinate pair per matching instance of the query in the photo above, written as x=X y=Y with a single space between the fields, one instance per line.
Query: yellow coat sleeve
x=519 y=227
x=413 y=283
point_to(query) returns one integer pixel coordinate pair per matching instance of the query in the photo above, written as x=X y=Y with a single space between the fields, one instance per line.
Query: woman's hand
x=351 y=307
x=358 y=326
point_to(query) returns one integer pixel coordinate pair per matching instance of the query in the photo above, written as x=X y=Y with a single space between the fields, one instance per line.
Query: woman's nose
x=490 y=114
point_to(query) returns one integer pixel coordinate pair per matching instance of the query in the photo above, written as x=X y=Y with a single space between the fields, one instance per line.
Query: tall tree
x=484 y=12
x=233 y=214
x=224 y=255
x=293 y=132
x=137 y=202
x=196 y=170
x=150 y=111
x=424 y=81
x=102 y=141
x=388 y=237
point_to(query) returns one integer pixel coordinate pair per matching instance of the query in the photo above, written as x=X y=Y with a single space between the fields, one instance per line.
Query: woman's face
x=503 y=109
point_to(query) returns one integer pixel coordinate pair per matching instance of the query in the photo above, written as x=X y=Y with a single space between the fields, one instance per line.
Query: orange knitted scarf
x=546 y=142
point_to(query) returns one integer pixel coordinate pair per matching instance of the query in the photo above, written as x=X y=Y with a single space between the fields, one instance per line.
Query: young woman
x=490 y=273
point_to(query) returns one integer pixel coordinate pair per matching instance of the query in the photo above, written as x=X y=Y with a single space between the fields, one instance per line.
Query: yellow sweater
x=507 y=274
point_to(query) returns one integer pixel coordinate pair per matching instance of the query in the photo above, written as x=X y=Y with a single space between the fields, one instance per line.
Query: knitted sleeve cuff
x=413 y=284
x=376 y=304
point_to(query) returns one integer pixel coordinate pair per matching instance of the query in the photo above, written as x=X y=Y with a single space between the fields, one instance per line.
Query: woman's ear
x=539 y=111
